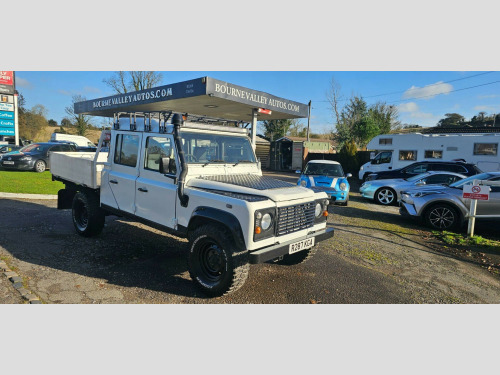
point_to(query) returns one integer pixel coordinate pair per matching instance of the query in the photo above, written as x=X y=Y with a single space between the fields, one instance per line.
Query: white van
x=81 y=141
x=394 y=151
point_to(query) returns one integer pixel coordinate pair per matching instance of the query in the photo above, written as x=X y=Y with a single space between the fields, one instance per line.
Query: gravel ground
x=374 y=257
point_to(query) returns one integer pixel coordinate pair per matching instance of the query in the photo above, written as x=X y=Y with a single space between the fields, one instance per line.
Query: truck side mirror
x=165 y=165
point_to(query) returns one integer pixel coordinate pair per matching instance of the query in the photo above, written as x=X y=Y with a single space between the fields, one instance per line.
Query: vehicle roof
x=323 y=162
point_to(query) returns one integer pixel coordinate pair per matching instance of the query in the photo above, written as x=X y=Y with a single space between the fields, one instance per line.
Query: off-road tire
x=442 y=216
x=298 y=258
x=383 y=202
x=215 y=264
x=40 y=166
x=88 y=217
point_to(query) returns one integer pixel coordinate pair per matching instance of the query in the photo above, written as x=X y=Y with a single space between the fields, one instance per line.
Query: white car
x=388 y=192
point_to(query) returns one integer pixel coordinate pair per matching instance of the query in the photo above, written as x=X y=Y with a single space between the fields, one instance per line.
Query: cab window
x=157 y=148
x=126 y=150
x=382 y=158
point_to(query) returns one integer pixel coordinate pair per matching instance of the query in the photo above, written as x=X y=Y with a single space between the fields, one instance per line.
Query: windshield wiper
x=242 y=161
x=213 y=161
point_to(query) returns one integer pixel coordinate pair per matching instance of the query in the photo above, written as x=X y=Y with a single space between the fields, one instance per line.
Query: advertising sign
x=6 y=115
x=6 y=107
x=478 y=192
x=6 y=82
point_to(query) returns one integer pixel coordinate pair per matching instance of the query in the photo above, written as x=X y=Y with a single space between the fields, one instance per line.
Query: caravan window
x=385 y=141
x=433 y=154
x=486 y=149
x=407 y=155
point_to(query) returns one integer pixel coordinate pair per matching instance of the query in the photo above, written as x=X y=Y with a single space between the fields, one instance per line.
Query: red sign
x=481 y=193
x=6 y=78
x=265 y=111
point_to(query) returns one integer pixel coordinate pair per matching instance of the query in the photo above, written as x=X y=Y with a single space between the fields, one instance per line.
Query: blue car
x=327 y=176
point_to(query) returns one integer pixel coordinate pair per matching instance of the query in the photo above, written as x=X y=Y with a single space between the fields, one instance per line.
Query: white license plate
x=301 y=245
x=8 y=162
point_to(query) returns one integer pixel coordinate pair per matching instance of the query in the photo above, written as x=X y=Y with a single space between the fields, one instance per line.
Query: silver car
x=389 y=191
x=443 y=207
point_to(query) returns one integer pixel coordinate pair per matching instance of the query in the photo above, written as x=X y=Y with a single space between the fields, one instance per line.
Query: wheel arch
x=204 y=215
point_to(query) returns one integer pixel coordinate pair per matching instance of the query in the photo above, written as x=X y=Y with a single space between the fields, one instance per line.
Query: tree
x=52 y=122
x=297 y=129
x=334 y=96
x=32 y=121
x=123 y=82
x=66 y=122
x=348 y=157
x=385 y=116
x=364 y=130
x=451 y=119
x=81 y=122
x=353 y=111
x=275 y=129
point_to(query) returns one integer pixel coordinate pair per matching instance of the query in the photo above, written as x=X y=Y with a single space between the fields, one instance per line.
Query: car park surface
x=375 y=257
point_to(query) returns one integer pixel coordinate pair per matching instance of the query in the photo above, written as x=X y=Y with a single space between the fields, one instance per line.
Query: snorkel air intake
x=178 y=121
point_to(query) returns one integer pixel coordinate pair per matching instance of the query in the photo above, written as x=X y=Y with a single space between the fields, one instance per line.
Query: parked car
x=34 y=156
x=414 y=169
x=8 y=148
x=443 y=207
x=79 y=148
x=327 y=176
x=388 y=191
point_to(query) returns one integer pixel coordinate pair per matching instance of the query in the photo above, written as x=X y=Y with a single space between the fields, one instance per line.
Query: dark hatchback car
x=419 y=167
x=34 y=156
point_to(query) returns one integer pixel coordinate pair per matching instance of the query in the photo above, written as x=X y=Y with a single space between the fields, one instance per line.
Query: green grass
x=457 y=239
x=28 y=182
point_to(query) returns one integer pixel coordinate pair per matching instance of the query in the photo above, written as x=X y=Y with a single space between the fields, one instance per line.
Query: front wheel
x=385 y=196
x=88 y=217
x=40 y=166
x=442 y=217
x=215 y=264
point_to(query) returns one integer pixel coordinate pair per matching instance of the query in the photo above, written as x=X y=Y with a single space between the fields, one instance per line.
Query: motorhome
x=394 y=151
x=80 y=141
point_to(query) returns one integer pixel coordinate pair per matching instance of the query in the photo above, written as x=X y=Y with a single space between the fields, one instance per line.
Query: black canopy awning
x=202 y=96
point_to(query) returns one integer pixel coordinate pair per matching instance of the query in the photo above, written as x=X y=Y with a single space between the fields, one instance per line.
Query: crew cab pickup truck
x=197 y=181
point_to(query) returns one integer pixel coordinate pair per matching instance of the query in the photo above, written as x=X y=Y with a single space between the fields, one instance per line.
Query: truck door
x=120 y=184
x=155 y=193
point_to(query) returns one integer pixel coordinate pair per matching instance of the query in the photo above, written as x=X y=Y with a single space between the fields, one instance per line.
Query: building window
x=486 y=149
x=433 y=154
x=385 y=141
x=127 y=147
x=407 y=155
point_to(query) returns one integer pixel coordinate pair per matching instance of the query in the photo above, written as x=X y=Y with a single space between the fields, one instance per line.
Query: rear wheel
x=40 y=166
x=442 y=217
x=385 y=196
x=215 y=264
x=88 y=217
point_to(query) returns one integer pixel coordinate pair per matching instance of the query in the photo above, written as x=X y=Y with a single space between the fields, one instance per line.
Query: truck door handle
x=143 y=190
x=389 y=167
x=113 y=181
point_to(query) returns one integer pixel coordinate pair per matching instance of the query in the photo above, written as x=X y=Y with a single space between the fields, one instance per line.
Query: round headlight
x=266 y=221
x=343 y=186
x=303 y=183
x=318 y=209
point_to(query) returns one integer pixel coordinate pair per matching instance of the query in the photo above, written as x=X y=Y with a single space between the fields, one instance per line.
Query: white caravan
x=81 y=141
x=394 y=151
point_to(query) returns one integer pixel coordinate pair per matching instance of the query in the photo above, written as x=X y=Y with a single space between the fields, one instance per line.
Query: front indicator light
x=258 y=230
x=325 y=213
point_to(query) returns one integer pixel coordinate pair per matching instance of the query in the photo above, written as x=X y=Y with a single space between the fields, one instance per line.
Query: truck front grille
x=294 y=218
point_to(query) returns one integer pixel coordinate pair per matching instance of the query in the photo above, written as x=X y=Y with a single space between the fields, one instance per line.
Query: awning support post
x=254 y=128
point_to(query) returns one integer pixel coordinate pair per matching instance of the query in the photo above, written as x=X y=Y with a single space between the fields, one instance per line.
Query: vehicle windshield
x=333 y=170
x=467 y=181
x=215 y=148
x=417 y=177
x=33 y=147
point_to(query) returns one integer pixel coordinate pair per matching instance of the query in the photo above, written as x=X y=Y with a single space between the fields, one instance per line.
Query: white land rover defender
x=197 y=181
